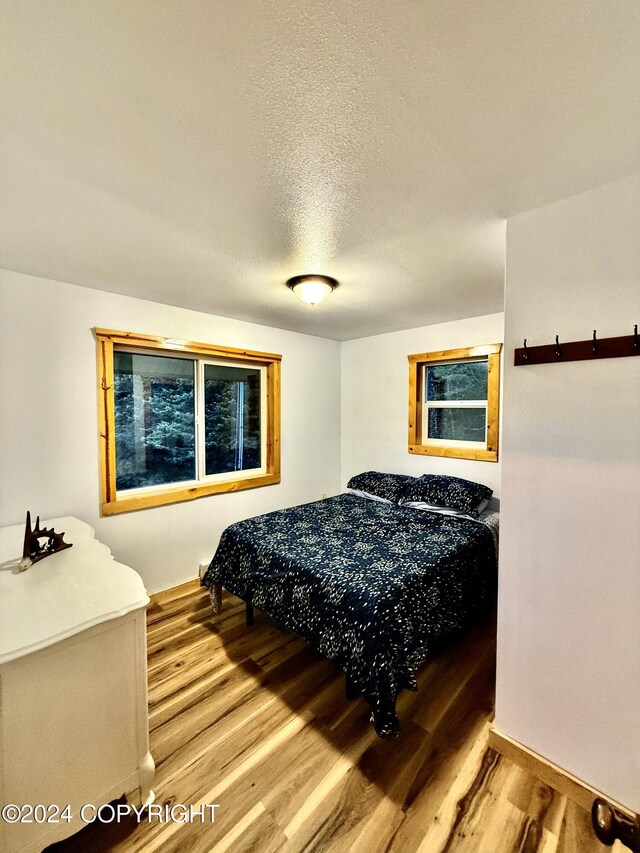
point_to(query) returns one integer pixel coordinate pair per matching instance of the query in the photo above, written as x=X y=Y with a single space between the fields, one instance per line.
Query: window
x=454 y=403
x=181 y=420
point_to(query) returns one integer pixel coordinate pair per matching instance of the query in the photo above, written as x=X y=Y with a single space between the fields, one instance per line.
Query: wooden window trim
x=417 y=364
x=110 y=503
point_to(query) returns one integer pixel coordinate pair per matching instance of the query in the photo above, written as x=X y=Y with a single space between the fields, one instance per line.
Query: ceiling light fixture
x=312 y=288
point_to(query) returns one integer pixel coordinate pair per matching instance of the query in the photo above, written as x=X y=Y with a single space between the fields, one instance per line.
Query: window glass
x=461 y=381
x=154 y=419
x=458 y=424
x=232 y=397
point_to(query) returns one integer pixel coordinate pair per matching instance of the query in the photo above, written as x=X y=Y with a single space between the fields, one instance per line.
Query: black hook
x=525 y=354
x=558 y=350
x=595 y=342
x=635 y=337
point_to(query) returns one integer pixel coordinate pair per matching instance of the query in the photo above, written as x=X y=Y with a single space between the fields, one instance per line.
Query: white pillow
x=368 y=495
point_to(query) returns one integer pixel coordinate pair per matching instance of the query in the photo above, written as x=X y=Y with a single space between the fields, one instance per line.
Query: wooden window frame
x=417 y=365
x=111 y=504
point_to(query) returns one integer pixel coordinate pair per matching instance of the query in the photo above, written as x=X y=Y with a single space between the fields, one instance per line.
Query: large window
x=454 y=403
x=180 y=420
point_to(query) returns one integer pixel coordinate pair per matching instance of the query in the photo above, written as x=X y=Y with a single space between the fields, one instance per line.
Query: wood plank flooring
x=256 y=721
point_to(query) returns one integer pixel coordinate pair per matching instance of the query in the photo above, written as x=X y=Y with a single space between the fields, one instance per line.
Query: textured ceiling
x=199 y=153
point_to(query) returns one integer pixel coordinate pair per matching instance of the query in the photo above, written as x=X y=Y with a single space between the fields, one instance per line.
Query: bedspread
x=369 y=584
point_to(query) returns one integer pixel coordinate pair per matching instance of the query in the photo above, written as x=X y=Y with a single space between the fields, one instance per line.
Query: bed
x=370 y=584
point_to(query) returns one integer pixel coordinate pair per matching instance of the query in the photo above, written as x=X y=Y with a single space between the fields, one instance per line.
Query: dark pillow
x=450 y=492
x=386 y=487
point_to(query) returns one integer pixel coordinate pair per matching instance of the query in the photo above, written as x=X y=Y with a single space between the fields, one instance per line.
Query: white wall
x=48 y=421
x=569 y=613
x=375 y=376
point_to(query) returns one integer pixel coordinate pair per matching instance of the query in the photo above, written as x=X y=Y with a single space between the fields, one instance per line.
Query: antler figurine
x=33 y=550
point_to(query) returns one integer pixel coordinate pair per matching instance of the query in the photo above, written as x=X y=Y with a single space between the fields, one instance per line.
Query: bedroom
x=470 y=175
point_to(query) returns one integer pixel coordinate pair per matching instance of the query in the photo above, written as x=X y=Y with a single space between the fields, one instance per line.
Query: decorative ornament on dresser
x=33 y=550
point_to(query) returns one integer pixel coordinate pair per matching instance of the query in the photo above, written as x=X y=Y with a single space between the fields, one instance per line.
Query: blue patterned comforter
x=371 y=585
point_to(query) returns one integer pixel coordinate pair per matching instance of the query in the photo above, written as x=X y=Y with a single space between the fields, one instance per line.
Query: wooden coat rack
x=593 y=347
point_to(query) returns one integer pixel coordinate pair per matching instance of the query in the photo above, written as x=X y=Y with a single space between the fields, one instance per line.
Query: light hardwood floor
x=256 y=721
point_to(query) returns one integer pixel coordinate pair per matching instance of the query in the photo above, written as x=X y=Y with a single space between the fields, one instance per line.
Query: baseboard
x=176 y=591
x=561 y=780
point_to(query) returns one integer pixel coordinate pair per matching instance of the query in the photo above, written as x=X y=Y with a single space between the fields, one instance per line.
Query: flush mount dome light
x=312 y=288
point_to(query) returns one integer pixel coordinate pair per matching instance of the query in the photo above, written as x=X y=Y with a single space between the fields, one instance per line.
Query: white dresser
x=73 y=683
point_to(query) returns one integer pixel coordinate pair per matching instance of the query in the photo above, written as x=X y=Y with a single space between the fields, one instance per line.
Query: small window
x=454 y=403
x=181 y=420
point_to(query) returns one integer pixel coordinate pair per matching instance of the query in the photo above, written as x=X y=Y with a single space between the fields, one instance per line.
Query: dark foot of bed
x=249 y=615
x=351 y=691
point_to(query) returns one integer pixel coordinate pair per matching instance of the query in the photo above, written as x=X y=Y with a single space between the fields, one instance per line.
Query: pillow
x=386 y=487
x=450 y=492
x=362 y=494
x=442 y=510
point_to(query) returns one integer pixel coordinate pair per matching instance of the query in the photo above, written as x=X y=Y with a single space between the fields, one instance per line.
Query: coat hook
x=558 y=350
x=635 y=337
x=525 y=354
x=595 y=342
